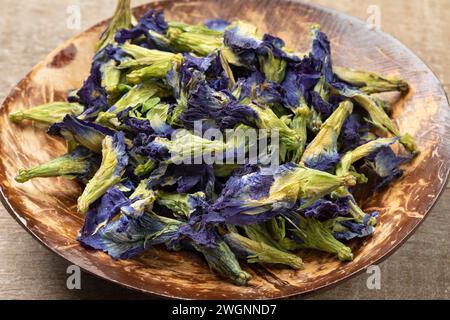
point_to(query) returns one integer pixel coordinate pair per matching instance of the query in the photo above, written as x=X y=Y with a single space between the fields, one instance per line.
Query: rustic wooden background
x=30 y=29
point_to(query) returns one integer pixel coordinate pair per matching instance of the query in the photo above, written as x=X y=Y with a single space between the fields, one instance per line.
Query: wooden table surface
x=30 y=29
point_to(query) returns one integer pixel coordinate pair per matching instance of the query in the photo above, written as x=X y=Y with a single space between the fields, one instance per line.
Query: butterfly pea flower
x=369 y=82
x=145 y=57
x=354 y=132
x=128 y=236
x=345 y=166
x=346 y=229
x=277 y=228
x=362 y=152
x=145 y=168
x=47 y=113
x=155 y=71
x=268 y=120
x=139 y=205
x=322 y=153
x=112 y=167
x=384 y=168
x=241 y=42
x=182 y=84
x=141 y=200
x=184 y=178
x=87 y=134
x=299 y=124
x=121 y=19
x=93 y=95
x=321 y=53
x=314 y=234
x=258 y=196
x=320 y=64
x=148 y=63
x=134 y=98
x=272 y=59
x=115 y=202
x=327 y=208
x=216 y=24
x=204 y=103
x=383 y=104
x=245 y=87
x=222 y=260
x=377 y=115
x=227 y=75
x=149 y=32
x=153 y=121
x=260 y=252
x=182 y=205
x=320 y=99
x=185 y=147
x=111 y=77
x=80 y=163
x=260 y=233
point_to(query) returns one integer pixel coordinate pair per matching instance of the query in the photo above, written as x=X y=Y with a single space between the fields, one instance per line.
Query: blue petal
x=353 y=130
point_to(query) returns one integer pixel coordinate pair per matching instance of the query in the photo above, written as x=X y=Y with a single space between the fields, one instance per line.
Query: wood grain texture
x=431 y=245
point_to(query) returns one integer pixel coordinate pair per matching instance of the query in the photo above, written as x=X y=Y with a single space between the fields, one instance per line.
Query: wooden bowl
x=46 y=207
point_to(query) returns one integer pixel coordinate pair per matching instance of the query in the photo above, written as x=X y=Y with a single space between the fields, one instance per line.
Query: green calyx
x=48 y=113
x=121 y=19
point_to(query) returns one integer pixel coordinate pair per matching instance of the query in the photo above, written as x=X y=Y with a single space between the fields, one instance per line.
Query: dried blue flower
x=47 y=113
x=260 y=252
x=259 y=196
x=80 y=163
x=347 y=229
x=114 y=161
x=327 y=208
x=128 y=236
x=241 y=44
x=322 y=153
x=121 y=19
x=217 y=24
x=182 y=205
x=149 y=27
x=87 y=134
